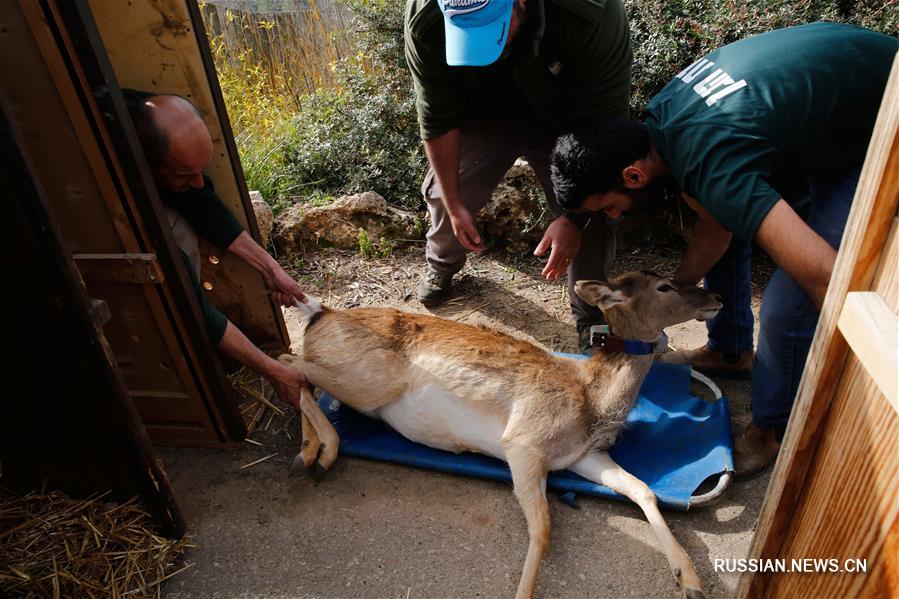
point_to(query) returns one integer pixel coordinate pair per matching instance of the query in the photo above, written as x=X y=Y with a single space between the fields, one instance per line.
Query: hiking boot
x=754 y=450
x=435 y=287
x=713 y=363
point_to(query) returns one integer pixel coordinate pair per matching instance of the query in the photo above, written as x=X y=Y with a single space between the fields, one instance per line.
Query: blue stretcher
x=672 y=441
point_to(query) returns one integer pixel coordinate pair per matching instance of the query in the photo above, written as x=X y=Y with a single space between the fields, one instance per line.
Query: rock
x=265 y=219
x=338 y=224
x=517 y=214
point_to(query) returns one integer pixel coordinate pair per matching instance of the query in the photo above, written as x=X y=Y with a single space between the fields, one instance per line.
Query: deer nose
x=716 y=296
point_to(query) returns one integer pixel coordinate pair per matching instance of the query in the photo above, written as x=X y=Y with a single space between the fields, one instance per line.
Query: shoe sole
x=431 y=302
x=754 y=473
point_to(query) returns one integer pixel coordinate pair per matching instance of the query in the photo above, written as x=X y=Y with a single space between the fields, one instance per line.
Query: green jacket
x=573 y=62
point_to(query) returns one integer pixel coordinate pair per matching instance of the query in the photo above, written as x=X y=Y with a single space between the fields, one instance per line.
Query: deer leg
x=323 y=429
x=309 y=446
x=529 y=478
x=601 y=468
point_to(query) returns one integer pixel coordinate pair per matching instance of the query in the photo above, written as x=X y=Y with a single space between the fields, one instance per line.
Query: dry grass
x=256 y=400
x=268 y=65
x=267 y=62
x=53 y=546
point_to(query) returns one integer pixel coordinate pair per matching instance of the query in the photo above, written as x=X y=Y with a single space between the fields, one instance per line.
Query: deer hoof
x=317 y=472
x=298 y=463
x=694 y=594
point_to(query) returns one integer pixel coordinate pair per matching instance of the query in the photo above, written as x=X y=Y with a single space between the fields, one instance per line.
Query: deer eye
x=664 y=288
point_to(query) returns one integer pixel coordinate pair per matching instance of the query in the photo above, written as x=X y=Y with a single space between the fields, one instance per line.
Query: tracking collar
x=601 y=337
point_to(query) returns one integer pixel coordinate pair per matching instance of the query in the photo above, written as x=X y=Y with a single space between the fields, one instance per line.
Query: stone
x=265 y=218
x=517 y=214
x=338 y=223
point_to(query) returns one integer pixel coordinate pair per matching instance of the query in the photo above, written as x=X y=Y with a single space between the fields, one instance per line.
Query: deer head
x=638 y=305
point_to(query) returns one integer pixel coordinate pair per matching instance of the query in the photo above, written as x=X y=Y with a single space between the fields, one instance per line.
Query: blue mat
x=672 y=441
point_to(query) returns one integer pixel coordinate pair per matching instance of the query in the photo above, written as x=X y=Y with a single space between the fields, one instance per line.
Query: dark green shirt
x=208 y=217
x=794 y=102
x=572 y=62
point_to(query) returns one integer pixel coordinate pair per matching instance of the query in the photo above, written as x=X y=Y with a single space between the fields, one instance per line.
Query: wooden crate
x=60 y=64
x=835 y=489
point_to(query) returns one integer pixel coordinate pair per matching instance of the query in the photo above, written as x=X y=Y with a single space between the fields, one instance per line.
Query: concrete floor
x=381 y=530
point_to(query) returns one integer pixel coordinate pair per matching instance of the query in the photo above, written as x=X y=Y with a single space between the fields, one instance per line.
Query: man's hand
x=287 y=382
x=464 y=228
x=563 y=236
x=283 y=288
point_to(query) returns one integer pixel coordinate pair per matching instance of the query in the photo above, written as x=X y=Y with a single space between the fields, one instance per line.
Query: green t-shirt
x=791 y=103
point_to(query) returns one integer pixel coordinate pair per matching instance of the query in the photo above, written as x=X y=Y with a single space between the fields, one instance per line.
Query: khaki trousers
x=487 y=150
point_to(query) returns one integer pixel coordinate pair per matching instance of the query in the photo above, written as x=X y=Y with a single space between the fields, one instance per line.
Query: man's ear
x=633 y=176
x=601 y=294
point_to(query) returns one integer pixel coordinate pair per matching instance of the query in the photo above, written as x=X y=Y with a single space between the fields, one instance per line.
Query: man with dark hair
x=732 y=132
x=499 y=79
x=178 y=149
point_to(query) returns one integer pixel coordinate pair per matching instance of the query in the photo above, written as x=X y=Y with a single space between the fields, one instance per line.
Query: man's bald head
x=175 y=141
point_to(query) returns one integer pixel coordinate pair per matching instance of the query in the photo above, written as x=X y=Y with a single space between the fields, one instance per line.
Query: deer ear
x=599 y=294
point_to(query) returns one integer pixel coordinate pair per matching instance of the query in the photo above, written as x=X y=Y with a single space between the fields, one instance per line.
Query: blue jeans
x=787 y=317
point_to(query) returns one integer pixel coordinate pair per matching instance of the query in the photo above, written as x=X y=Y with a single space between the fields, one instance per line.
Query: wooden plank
x=872 y=330
x=82 y=192
x=75 y=193
x=140 y=269
x=849 y=506
x=71 y=425
x=889 y=269
x=874 y=207
x=195 y=359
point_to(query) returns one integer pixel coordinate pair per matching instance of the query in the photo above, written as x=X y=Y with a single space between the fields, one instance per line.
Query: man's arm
x=707 y=244
x=286 y=380
x=284 y=288
x=797 y=249
x=443 y=155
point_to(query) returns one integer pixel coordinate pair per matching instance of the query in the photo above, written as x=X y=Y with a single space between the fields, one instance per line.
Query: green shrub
x=359 y=132
x=369 y=249
x=362 y=136
x=668 y=35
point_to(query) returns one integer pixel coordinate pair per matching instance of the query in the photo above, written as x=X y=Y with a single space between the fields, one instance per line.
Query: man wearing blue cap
x=499 y=79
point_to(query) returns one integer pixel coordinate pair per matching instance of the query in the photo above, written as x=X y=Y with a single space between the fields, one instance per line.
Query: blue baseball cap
x=476 y=30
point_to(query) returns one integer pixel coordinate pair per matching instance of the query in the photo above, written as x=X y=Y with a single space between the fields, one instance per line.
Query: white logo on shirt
x=712 y=82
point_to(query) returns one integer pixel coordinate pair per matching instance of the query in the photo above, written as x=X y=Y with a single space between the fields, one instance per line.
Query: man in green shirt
x=735 y=132
x=499 y=79
x=178 y=148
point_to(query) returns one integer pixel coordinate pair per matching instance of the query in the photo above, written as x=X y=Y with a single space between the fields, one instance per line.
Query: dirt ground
x=381 y=530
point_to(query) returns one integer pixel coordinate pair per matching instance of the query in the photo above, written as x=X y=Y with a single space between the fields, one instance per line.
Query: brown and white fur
x=462 y=388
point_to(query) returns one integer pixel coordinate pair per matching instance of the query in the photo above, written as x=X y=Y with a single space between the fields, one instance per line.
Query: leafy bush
x=361 y=136
x=668 y=35
x=370 y=249
x=357 y=131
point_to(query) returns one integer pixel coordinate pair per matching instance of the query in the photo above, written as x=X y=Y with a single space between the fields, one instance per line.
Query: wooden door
x=834 y=493
x=66 y=420
x=64 y=98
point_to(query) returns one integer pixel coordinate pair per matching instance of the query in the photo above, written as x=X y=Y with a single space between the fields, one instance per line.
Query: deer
x=459 y=387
